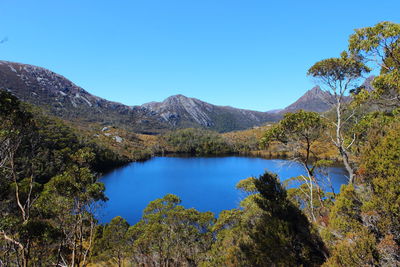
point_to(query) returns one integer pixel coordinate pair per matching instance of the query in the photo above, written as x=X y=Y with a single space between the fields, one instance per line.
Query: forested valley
x=49 y=189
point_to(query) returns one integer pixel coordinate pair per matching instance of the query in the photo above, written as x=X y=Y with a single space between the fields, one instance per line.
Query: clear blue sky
x=250 y=54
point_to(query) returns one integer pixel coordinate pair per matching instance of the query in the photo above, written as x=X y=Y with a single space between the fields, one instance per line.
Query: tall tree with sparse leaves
x=339 y=76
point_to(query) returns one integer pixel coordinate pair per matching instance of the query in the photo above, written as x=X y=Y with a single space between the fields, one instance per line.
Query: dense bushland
x=47 y=187
x=196 y=142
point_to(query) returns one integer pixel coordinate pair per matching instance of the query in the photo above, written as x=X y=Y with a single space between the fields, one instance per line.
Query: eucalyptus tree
x=114 y=243
x=380 y=45
x=339 y=76
x=170 y=235
x=18 y=187
x=364 y=221
x=299 y=132
x=74 y=195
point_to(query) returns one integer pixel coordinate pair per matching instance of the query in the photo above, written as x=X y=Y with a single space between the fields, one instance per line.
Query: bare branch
x=12 y=240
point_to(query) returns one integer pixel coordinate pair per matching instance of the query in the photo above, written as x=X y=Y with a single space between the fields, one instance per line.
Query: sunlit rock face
x=181 y=111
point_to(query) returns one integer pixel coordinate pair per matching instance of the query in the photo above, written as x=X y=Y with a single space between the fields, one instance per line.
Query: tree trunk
x=340 y=143
x=347 y=165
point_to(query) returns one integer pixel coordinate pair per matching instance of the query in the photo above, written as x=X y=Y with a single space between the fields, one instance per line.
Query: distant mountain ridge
x=61 y=97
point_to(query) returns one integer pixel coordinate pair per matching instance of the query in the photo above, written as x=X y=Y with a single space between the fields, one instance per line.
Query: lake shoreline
x=252 y=154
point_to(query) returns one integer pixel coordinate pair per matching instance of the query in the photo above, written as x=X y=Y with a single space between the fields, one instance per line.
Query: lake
x=204 y=183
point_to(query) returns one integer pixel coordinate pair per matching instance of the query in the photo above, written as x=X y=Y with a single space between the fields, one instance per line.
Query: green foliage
x=169 y=234
x=47 y=143
x=380 y=44
x=229 y=232
x=300 y=127
x=355 y=249
x=371 y=39
x=113 y=244
x=232 y=227
x=336 y=70
x=197 y=142
x=365 y=217
x=345 y=214
x=299 y=194
x=300 y=132
x=283 y=235
x=48 y=191
x=372 y=127
x=74 y=195
x=351 y=242
x=247 y=185
x=381 y=172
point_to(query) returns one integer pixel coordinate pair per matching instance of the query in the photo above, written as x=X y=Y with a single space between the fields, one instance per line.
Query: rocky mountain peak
x=178 y=96
x=182 y=111
x=179 y=107
x=314 y=92
x=314 y=99
x=179 y=100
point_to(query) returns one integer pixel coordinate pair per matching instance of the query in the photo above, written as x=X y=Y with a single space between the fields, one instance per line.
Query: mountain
x=180 y=111
x=61 y=97
x=319 y=100
x=314 y=99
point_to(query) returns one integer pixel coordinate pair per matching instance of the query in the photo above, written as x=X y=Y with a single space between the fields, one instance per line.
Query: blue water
x=207 y=184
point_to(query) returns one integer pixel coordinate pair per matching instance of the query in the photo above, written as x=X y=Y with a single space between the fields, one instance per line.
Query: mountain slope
x=62 y=98
x=181 y=112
